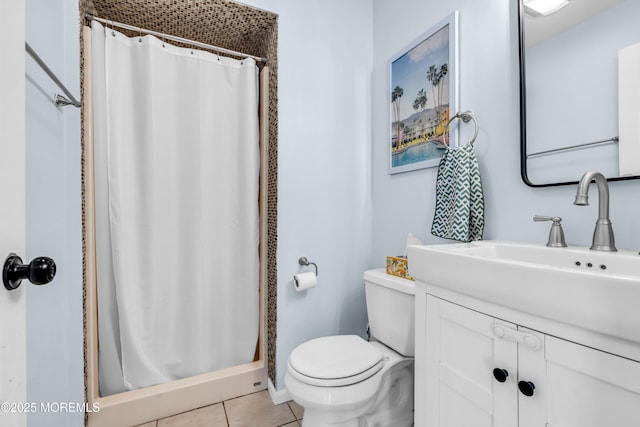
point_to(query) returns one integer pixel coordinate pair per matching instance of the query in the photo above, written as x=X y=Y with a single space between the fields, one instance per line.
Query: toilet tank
x=391 y=310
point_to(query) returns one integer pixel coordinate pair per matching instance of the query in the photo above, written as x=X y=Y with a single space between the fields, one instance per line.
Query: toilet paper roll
x=304 y=281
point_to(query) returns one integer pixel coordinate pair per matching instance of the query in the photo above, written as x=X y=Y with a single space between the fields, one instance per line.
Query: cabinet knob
x=526 y=387
x=500 y=374
x=40 y=271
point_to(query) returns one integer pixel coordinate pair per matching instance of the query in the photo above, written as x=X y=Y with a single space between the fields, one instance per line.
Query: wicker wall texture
x=232 y=26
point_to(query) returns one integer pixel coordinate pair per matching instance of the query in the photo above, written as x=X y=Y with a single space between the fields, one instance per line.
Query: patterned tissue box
x=398 y=266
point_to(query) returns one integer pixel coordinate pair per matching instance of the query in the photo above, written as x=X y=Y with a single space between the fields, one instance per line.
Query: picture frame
x=423 y=96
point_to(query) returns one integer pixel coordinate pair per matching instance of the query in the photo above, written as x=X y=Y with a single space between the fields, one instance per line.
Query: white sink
x=595 y=290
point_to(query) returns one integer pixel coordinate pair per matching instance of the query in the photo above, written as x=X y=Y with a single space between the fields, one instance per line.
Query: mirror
x=580 y=80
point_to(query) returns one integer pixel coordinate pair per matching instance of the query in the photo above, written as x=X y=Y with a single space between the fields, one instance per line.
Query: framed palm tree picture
x=423 y=94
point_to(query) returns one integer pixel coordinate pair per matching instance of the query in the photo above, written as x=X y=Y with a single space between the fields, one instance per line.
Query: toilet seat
x=335 y=361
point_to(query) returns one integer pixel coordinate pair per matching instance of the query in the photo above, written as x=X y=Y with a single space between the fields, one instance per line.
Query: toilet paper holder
x=304 y=261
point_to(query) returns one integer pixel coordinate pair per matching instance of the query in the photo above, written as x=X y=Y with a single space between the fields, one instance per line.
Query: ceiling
x=543 y=27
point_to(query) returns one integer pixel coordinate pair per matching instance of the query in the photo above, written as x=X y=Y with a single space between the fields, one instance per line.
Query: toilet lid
x=340 y=357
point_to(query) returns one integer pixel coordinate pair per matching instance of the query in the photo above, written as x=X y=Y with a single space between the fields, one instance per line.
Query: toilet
x=346 y=381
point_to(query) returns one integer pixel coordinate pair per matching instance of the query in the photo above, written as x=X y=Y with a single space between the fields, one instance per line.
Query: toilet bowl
x=346 y=381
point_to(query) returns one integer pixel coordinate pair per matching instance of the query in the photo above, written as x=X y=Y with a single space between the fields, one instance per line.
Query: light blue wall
x=54 y=312
x=489 y=86
x=324 y=172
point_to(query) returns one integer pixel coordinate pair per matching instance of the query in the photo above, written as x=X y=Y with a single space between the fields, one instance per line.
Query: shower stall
x=178 y=202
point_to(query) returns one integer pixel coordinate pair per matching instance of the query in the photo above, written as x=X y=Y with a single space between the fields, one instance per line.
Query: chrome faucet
x=603 y=234
x=556 y=235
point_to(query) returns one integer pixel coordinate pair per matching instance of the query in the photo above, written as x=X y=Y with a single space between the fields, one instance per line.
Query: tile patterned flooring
x=253 y=410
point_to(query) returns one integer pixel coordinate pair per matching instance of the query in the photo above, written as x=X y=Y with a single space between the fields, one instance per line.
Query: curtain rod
x=57 y=98
x=110 y=23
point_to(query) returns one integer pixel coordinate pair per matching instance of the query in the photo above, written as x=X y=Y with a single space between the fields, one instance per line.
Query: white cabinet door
x=532 y=372
x=589 y=388
x=462 y=352
x=577 y=386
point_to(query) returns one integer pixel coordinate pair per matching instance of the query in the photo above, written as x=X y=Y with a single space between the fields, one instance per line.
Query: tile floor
x=253 y=410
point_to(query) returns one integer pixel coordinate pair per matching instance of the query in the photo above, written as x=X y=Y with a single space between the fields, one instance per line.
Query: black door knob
x=500 y=375
x=40 y=271
x=526 y=387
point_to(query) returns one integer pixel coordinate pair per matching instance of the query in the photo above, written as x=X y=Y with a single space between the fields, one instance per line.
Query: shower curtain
x=176 y=170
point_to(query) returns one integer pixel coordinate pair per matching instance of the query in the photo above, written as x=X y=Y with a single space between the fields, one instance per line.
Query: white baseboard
x=277 y=396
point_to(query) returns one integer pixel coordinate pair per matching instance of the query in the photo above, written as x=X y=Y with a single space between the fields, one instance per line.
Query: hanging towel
x=459 y=200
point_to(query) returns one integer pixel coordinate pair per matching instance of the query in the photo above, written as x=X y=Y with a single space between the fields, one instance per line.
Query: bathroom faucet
x=603 y=234
x=556 y=235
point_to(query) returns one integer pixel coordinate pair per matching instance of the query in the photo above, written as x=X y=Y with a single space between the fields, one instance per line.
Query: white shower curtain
x=177 y=166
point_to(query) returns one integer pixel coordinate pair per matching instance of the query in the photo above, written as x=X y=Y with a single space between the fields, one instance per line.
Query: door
x=584 y=387
x=12 y=210
x=532 y=390
x=464 y=348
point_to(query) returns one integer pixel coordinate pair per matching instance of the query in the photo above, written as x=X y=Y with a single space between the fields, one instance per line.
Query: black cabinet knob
x=40 y=271
x=500 y=375
x=526 y=387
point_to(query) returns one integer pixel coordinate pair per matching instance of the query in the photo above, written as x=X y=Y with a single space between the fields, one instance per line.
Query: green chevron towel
x=459 y=200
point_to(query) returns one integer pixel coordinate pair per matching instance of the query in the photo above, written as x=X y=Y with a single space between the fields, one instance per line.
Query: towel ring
x=465 y=116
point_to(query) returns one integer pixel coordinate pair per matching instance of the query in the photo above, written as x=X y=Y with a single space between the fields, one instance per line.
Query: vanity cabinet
x=473 y=369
